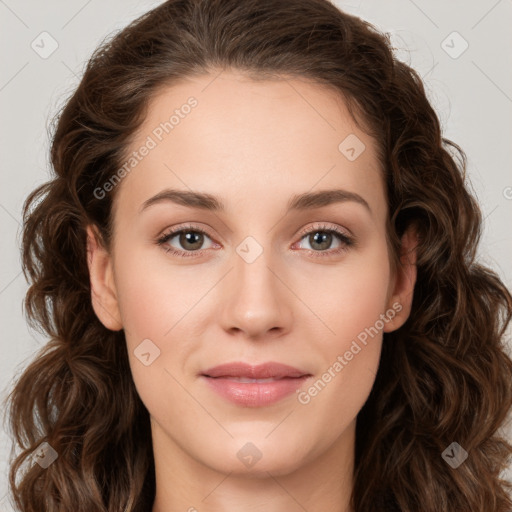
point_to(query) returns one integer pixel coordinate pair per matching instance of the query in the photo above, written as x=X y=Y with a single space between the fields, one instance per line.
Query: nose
x=257 y=301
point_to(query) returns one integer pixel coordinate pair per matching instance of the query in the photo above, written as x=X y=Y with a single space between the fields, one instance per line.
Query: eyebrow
x=300 y=202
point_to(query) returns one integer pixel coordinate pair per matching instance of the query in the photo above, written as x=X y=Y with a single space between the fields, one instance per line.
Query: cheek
x=154 y=298
x=171 y=305
x=158 y=305
x=351 y=305
x=351 y=296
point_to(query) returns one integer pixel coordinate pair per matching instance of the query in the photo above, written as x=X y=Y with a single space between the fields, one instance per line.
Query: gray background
x=472 y=92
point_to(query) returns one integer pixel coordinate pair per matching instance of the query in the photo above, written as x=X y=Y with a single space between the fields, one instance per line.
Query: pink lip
x=223 y=380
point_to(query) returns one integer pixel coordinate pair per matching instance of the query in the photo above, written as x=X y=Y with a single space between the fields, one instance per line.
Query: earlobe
x=405 y=280
x=103 y=291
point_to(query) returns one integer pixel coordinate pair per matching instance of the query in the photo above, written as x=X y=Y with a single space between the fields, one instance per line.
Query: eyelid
x=322 y=226
x=305 y=231
x=345 y=237
x=347 y=240
x=169 y=233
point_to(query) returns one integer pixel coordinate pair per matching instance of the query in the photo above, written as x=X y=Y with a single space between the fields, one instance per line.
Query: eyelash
x=344 y=239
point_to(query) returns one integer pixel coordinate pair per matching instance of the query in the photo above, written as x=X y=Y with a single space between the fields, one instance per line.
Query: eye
x=191 y=239
x=322 y=237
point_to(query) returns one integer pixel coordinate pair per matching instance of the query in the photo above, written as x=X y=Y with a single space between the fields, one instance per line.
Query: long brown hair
x=444 y=376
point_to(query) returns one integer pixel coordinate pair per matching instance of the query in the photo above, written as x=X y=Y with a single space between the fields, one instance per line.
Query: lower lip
x=255 y=394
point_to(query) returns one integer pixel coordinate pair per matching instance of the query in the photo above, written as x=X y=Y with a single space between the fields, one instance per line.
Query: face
x=284 y=261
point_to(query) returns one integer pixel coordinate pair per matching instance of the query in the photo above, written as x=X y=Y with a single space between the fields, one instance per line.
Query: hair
x=444 y=376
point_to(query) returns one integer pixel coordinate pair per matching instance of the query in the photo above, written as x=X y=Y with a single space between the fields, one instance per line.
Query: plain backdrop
x=461 y=49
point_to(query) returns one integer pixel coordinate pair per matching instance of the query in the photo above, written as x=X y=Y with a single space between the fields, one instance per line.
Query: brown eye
x=184 y=242
x=320 y=240
x=191 y=240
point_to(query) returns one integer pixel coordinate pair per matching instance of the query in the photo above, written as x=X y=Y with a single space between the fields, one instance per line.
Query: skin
x=253 y=144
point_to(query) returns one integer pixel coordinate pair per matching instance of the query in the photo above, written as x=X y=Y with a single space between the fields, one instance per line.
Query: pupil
x=323 y=239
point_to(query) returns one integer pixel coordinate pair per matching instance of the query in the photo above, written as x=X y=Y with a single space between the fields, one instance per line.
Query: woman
x=256 y=267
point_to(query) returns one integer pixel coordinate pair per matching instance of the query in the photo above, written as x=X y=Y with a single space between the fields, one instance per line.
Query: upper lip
x=261 y=371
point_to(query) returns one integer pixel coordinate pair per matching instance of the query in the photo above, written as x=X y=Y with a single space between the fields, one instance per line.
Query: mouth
x=246 y=380
x=240 y=370
x=254 y=386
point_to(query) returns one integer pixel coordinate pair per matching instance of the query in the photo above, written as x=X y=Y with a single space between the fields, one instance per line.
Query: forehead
x=250 y=142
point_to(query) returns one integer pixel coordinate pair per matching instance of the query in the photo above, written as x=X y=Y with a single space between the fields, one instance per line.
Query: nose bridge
x=256 y=299
x=252 y=262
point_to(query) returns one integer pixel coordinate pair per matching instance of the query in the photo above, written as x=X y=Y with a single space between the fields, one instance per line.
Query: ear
x=404 y=281
x=103 y=291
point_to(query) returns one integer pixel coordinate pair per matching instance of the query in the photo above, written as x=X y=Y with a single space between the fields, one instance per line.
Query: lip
x=254 y=386
x=248 y=371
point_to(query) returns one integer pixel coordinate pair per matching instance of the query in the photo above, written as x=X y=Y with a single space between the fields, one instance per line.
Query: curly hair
x=444 y=376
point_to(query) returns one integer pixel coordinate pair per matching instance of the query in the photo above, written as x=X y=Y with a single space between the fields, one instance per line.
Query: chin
x=257 y=456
